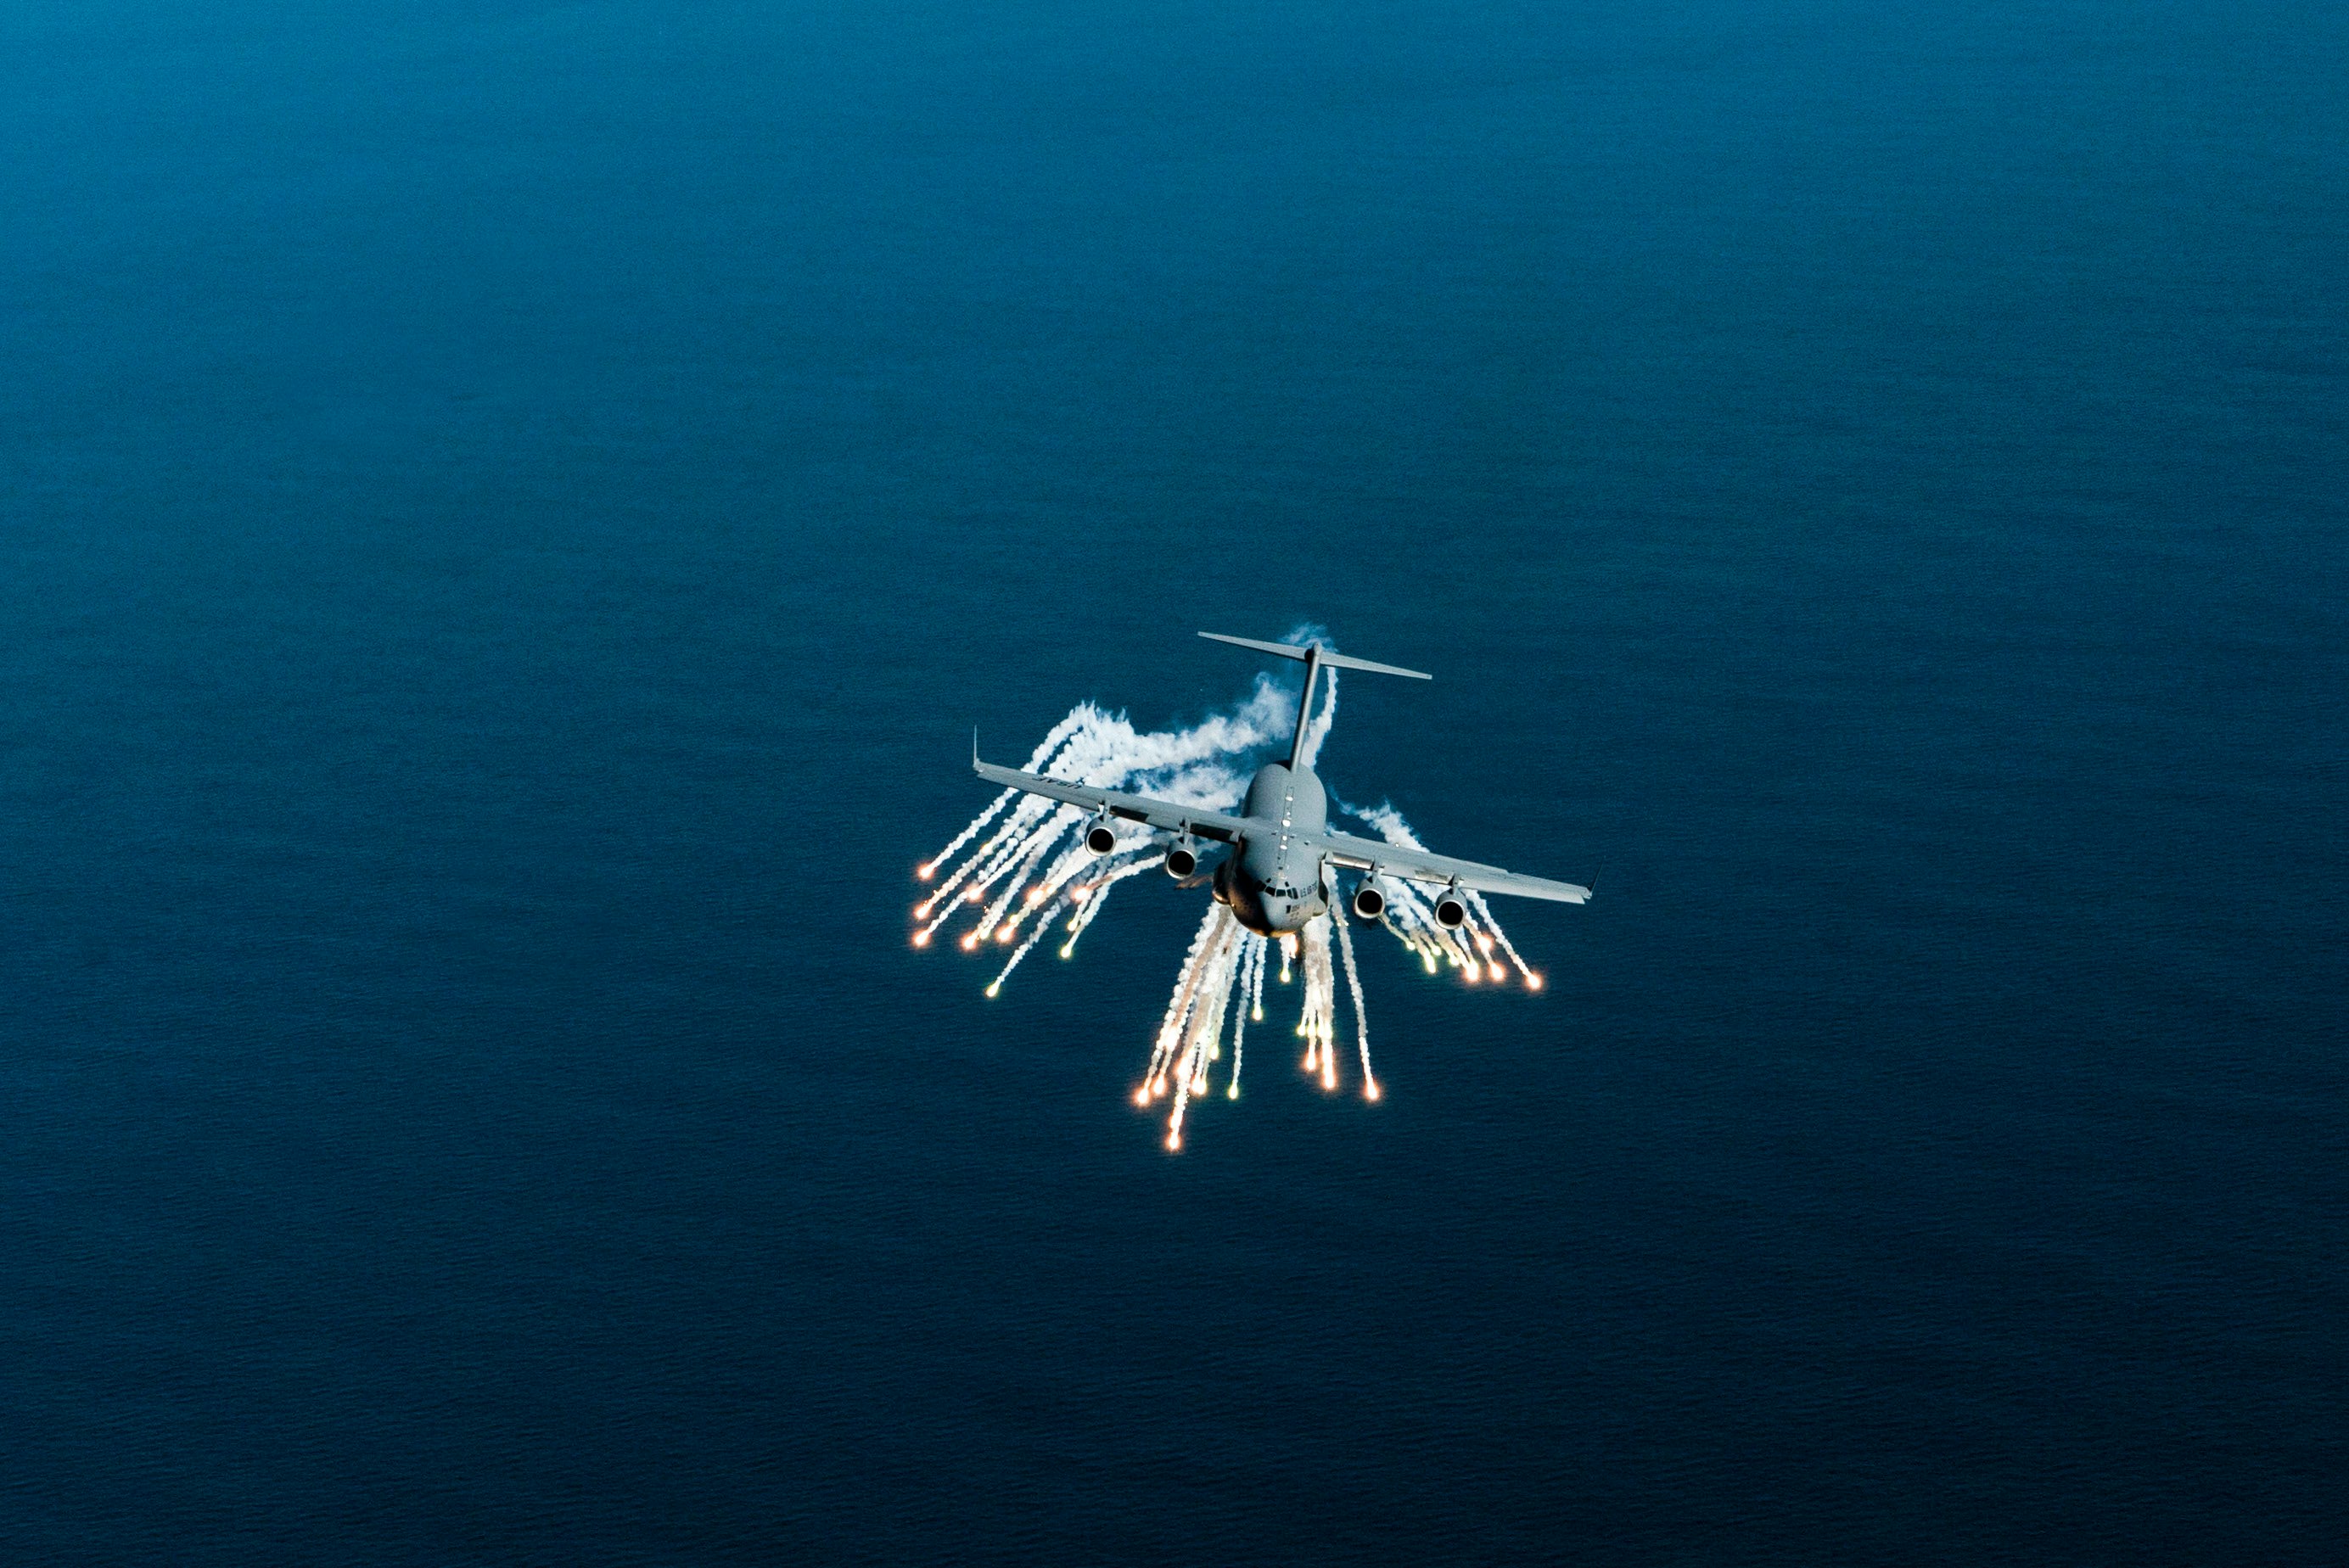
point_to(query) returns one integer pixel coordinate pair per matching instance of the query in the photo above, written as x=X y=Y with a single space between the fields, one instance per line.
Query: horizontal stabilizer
x=1297 y=651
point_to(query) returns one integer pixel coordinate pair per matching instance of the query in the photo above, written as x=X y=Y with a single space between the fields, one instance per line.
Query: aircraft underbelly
x=1277 y=885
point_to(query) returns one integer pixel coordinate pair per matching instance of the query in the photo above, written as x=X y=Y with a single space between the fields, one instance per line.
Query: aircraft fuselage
x=1273 y=882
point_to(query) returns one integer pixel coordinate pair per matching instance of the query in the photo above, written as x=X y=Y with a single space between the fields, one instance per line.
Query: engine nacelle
x=1370 y=899
x=1451 y=909
x=1100 y=837
x=1182 y=857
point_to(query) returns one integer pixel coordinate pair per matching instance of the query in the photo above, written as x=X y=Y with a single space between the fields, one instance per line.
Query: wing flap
x=1419 y=865
x=1163 y=814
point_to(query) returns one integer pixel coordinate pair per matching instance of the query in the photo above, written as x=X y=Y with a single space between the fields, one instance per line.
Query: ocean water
x=509 y=513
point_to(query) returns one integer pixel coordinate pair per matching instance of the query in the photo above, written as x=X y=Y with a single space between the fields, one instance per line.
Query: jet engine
x=1182 y=857
x=1370 y=899
x=1100 y=837
x=1451 y=909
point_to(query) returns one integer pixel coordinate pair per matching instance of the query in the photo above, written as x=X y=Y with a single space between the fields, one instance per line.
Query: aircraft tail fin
x=1300 y=651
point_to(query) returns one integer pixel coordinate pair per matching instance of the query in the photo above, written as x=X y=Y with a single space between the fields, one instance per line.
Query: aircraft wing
x=1418 y=865
x=1132 y=808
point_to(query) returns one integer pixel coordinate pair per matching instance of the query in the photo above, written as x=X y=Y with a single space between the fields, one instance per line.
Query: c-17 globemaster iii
x=1281 y=873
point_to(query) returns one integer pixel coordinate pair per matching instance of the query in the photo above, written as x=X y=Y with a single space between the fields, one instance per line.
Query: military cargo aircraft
x=1281 y=874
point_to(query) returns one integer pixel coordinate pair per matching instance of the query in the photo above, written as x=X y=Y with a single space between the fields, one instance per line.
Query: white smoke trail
x=1013 y=888
x=1414 y=919
x=1202 y=1003
x=1043 y=927
x=1093 y=902
x=1188 y=988
x=984 y=855
x=1251 y=993
x=1532 y=981
x=1362 y=1017
x=930 y=866
x=1319 y=1024
x=1050 y=895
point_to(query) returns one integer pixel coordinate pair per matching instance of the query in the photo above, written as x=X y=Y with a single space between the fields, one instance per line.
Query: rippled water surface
x=508 y=513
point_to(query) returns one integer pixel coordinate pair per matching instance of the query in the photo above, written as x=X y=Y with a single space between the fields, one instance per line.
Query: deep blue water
x=509 y=513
